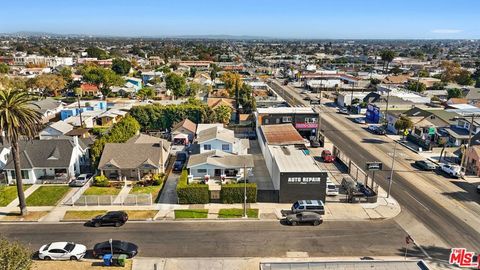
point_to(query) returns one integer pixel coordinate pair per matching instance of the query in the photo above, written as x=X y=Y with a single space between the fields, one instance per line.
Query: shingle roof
x=147 y=139
x=216 y=133
x=130 y=155
x=187 y=124
x=46 y=104
x=221 y=159
x=281 y=134
x=214 y=102
x=61 y=126
x=55 y=153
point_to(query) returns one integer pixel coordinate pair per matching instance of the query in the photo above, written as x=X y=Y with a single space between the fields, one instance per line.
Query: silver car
x=304 y=217
x=62 y=251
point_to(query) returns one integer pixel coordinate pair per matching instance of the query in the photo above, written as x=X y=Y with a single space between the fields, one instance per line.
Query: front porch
x=218 y=175
x=129 y=174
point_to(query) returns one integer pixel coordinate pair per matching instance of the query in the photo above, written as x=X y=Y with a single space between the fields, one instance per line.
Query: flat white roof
x=291 y=159
x=282 y=110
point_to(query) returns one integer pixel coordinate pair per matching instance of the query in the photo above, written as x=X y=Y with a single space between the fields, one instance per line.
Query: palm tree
x=387 y=58
x=18 y=120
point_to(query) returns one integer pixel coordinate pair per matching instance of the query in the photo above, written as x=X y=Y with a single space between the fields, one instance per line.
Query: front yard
x=102 y=191
x=9 y=193
x=154 y=190
x=47 y=195
x=30 y=216
x=191 y=213
x=237 y=213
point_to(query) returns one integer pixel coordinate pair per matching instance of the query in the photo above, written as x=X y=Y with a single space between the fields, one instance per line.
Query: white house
x=219 y=165
x=46 y=161
x=4 y=153
x=216 y=137
x=55 y=130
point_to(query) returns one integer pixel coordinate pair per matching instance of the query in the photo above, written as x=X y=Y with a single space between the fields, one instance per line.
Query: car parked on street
x=376 y=130
x=327 y=156
x=62 y=251
x=451 y=169
x=118 y=247
x=425 y=165
x=304 y=217
x=478 y=189
x=314 y=143
x=359 y=120
x=343 y=111
x=112 y=218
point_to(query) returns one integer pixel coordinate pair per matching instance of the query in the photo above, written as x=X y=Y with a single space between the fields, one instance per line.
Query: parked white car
x=332 y=189
x=62 y=251
x=451 y=169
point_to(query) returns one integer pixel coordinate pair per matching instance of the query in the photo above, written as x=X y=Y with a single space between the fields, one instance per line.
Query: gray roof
x=61 y=126
x=216 y=132
x=46 y=104
x=147 y=139
x=221 y=159
x=55 y=153
x=473 y=94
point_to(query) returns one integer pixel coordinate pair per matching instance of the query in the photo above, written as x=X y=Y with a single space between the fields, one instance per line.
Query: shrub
x=14 y=256
x=234 y=193
x=193 y=193
x=157 y=179
x=101 y=181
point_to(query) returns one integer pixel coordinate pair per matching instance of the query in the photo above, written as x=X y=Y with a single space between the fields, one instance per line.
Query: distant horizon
x=279 y=19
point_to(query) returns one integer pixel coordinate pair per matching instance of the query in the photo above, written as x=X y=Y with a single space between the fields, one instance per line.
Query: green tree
x=223 y=114
x=105 y=78
x=454 y=93
x=387 y=57
x=451 y=71
x=416 y=86
x=4 y=68
x=246 y=99
x=66 y=73
x=396 y=70
x=97 y=53
x=177 y=84
x=14 y=256
x=193 y=72
x=52 y=83
x=464 y=78
x=403 y=123
x=146 y=93
x=18 y=120
x=423 y=73
x=121 y=66
x=438 y=86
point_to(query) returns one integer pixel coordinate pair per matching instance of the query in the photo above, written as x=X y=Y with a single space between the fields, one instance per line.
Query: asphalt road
x=450 y=228
x=227 y=239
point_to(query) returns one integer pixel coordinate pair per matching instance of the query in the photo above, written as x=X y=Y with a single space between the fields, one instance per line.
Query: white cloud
x=447 y=31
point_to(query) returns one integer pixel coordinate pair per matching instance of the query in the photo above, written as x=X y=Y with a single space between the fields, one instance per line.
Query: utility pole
x=390 y=181
x=245 y=191
x=386 y=108
x=469 y=142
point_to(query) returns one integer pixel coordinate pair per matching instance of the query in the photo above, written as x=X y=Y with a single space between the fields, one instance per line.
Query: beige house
x=140 y=156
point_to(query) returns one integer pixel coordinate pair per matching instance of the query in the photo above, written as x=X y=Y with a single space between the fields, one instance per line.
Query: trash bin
x=122 y=260
x=107 y=259
x=115 y=259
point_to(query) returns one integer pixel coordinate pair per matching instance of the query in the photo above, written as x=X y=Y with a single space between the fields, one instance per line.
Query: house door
x=218 y=172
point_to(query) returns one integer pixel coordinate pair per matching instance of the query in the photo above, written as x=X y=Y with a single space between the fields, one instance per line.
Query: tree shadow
x=463 y=196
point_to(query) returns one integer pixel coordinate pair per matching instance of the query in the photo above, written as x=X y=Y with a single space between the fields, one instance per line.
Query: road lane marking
x=418 y=202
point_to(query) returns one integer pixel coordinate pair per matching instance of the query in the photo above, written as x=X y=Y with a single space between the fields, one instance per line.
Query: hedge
x=193 y=193
x=234 y=193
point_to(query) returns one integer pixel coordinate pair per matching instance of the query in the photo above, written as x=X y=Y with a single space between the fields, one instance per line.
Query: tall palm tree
x=18 y=120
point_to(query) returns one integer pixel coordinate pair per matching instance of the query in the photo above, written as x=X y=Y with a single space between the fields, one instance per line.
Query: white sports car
x=62 y=251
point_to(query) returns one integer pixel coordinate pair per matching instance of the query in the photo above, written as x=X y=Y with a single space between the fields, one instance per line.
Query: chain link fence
x=129 y=199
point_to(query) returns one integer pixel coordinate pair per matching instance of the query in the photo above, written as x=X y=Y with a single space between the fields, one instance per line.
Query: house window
x=310 y=120
x=207 y=147
x=266 y=121
x=25 y=175
x=277 y=120
x=225 y=147
x=286 y=119
x=202 y=171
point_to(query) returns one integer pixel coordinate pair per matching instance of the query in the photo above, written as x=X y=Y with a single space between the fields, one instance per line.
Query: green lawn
x=154 y=190
x=82 y=215
x=102 y=191
x=191 y=213
x=47 y=195
x=9 y=193
x=237 y=213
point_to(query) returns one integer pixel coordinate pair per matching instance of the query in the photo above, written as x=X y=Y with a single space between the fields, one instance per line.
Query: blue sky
x=271 y=18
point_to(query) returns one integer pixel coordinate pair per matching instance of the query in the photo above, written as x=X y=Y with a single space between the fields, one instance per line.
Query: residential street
x=227 y=239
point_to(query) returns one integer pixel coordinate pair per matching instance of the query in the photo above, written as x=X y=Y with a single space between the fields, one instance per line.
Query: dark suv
x=115 y=218
x=180 y=161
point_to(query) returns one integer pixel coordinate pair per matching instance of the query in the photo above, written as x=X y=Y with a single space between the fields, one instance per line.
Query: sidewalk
x=241 y=263
x=27 y=193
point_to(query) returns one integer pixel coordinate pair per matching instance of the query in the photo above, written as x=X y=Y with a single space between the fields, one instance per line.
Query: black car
x=425 y=165
x=178 y=165
x=304 y=217
x=119 y=247
x=115 y=218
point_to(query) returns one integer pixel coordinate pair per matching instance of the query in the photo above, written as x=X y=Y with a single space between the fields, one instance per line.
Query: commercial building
x=303 y=119
x=295 y=174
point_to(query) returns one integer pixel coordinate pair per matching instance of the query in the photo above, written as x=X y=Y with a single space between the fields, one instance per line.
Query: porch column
x=138 y=174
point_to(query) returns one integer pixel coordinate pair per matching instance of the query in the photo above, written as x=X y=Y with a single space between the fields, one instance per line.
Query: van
x=348 y=183
x=315 y=206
